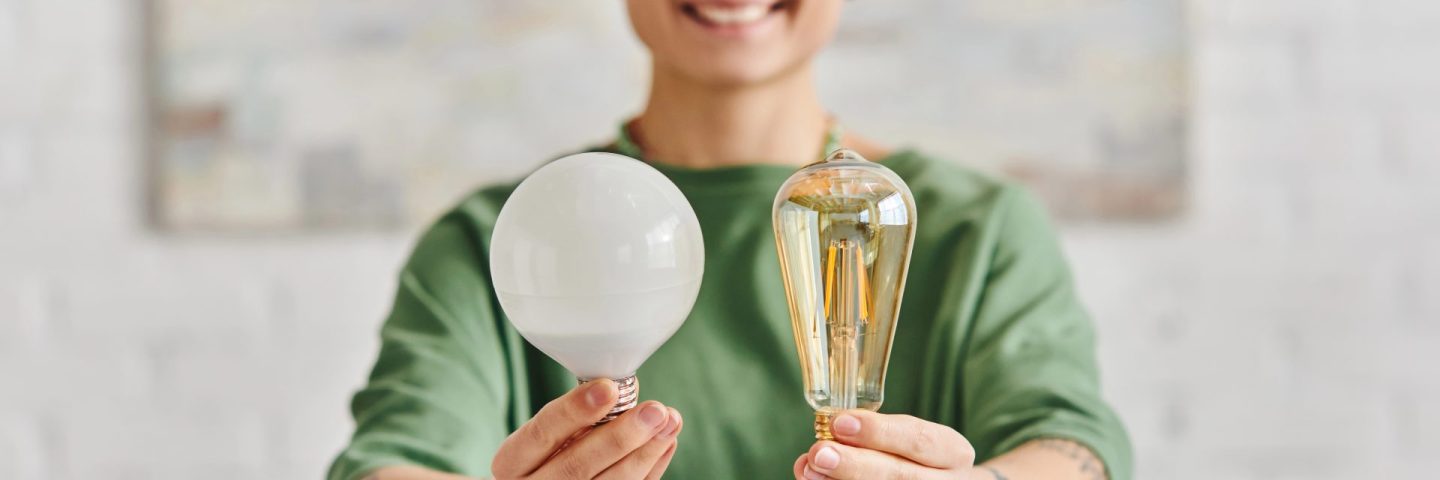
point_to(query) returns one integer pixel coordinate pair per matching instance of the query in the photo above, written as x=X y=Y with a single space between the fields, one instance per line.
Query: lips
x=732 y=14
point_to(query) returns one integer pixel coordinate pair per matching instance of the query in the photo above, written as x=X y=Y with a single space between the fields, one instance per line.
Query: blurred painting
x=313 y=114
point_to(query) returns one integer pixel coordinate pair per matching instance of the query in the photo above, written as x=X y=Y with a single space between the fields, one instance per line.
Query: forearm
x=1047 y=458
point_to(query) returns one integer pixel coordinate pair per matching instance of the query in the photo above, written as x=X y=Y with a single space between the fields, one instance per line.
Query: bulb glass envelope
x=844 y=228
x=597 y=259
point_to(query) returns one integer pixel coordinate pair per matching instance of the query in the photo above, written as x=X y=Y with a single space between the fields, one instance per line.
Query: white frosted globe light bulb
x=596 y=259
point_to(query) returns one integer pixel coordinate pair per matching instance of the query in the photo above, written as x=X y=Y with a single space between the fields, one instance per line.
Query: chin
x=739 y=70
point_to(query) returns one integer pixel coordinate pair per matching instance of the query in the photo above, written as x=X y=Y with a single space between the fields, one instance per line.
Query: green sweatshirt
x=991 y=338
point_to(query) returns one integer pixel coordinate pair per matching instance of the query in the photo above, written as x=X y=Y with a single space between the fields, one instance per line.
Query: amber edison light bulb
x=844 y=227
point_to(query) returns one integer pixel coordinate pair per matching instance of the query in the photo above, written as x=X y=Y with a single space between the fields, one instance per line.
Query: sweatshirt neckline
x=766 y=175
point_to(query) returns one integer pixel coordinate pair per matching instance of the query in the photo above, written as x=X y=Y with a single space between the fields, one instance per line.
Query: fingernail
x=652 y=415
x=827 y=458
x=674 y=426
x=811 y=475
x=598 y=393
x=846 y=425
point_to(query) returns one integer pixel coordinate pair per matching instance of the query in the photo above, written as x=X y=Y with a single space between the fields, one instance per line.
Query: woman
x=993 y=360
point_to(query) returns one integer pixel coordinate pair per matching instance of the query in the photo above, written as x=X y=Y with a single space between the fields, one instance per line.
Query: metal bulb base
x=822 y=425
x=629 y=395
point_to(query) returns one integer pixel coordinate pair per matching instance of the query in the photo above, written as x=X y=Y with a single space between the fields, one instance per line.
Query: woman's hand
x=870 y=445
x=560 y=442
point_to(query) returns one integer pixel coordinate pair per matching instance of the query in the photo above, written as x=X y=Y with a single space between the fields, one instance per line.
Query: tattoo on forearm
x=996 y=473
x=1089 y=465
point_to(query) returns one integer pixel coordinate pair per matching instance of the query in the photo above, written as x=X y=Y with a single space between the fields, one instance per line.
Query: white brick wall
x=1287 y=327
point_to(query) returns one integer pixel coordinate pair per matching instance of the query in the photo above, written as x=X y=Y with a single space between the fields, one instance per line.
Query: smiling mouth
x=732 y=15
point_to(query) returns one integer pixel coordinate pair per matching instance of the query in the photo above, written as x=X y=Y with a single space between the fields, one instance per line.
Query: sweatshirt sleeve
x=441 y=394
x=1031 y=371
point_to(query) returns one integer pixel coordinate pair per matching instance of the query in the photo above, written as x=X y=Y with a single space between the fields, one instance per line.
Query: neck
x=697 y=125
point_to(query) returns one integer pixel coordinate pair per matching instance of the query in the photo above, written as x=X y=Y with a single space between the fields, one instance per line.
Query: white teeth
x=726 y=15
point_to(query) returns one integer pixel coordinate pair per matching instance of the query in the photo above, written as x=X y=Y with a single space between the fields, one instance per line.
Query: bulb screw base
x=822 y=425
x=629 y=387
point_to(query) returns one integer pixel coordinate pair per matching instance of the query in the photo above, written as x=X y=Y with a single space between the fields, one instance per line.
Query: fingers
x=926 y=443
x=870 y=445
x=642 y=461
x=802 y=469
x=527 y=448
x=663 y=463
x=607 y=444
x=843 y=462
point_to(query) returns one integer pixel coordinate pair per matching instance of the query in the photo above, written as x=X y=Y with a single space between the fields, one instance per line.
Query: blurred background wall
x=1285 y=326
